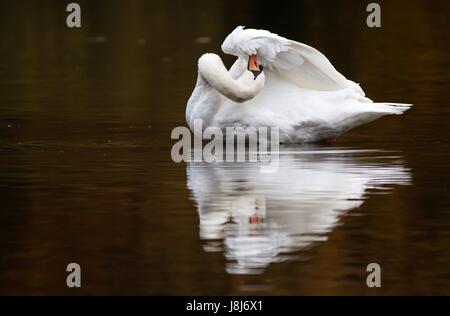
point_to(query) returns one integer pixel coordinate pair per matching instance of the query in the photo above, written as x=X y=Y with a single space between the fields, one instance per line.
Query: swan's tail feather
x=368 y=112
x=392 y=108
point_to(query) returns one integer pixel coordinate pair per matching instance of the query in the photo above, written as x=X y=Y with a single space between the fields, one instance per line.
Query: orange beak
x=253 y=64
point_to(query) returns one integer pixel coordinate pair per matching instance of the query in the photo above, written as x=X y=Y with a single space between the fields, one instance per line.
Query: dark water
x=86 y=174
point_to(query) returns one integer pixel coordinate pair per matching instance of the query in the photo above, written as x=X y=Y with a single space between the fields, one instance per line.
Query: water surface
x=86 y=174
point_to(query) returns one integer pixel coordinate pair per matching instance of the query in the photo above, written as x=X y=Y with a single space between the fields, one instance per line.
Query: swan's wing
x=314 y=72
x=299 y=63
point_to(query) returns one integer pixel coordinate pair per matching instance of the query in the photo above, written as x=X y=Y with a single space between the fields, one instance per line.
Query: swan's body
x=299 y=91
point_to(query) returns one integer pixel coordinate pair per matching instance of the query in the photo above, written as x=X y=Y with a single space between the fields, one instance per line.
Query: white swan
x=297 y=90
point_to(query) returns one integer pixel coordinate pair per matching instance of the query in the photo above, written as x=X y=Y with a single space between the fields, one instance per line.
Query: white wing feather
x=301 y=64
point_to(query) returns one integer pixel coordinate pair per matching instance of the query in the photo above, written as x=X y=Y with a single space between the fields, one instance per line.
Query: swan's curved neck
x=215 y=82
x=241 y=89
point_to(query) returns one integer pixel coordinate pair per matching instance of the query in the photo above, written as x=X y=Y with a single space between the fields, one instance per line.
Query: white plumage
x=299 y=91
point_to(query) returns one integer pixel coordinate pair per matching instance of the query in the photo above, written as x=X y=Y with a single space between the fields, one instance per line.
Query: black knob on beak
x=256 y=73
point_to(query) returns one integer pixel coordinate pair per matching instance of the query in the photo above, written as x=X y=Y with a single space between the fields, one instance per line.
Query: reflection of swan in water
x=258 y=218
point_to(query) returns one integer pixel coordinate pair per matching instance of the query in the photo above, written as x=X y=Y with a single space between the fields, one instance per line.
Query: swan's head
x=262 y=44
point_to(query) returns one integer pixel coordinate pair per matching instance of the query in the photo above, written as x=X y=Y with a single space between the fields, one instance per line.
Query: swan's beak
x=253 y=64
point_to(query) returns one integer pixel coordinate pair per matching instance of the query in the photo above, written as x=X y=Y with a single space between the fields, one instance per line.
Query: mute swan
x=277 y=82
